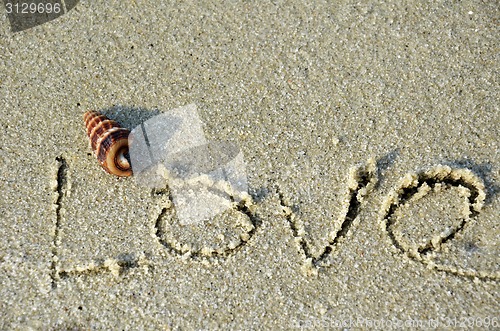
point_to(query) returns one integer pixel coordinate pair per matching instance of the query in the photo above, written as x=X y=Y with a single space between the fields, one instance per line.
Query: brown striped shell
x=109 y=142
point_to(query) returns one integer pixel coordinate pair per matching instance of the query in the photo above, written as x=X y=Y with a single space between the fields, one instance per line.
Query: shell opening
x=117 y=160
x=122 y=159
x=112 y=152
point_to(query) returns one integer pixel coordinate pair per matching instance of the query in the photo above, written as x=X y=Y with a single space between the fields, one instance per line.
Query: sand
x=370 y=136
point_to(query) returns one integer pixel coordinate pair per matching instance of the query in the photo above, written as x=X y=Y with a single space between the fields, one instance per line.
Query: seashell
x=109 y=142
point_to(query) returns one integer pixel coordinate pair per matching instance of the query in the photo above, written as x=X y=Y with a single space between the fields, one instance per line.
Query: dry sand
x=370 y=133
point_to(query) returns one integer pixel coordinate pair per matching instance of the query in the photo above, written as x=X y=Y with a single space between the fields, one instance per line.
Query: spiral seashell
x=109 y=142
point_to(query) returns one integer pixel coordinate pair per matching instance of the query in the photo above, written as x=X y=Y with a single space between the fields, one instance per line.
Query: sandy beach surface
x=370 y=135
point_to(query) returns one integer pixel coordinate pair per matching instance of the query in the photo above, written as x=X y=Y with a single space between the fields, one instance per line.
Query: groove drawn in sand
x=430 y=232
x=458 y=186
x=362 y=180
x=206 y=211
x=60 y=190
x=117 y=266
x=219 y=237
x=244 y=209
